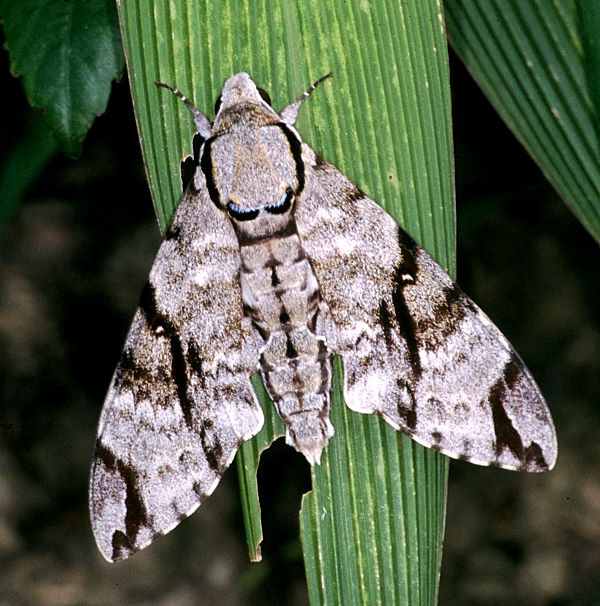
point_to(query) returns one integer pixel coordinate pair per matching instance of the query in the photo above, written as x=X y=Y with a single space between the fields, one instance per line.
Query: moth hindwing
x=276 y=262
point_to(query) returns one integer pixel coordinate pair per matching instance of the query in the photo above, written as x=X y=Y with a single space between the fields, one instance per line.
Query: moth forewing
x=276 y=262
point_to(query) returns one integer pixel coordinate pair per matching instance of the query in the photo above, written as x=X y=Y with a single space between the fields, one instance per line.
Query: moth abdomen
x=307 y=425
x=281 y=297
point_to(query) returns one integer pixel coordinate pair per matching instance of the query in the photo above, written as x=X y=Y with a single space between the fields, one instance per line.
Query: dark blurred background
x=73 y=259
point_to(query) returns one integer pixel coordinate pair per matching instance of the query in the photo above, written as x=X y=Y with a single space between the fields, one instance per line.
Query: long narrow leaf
x=527 y=57
x=384 y=120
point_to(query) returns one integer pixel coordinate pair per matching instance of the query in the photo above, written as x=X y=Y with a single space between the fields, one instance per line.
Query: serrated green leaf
x=528 y=59
x=68 y=53
x=384 y=120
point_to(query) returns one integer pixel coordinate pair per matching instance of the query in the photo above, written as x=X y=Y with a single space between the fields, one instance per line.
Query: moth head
x=241 y=92
x=263 y=94
x=253 y=162
x=241 y=98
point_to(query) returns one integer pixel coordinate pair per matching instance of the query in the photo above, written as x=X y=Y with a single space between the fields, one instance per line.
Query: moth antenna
x=290 y=113
x=202 y=123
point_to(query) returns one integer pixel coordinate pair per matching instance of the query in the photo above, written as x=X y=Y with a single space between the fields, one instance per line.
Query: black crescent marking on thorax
x=283 y=206
x=241 y=214
x=207 y=168
x=296 y=150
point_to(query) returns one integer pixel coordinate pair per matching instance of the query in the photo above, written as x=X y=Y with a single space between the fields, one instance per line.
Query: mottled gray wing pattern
x=180 y=403
x=416 y=350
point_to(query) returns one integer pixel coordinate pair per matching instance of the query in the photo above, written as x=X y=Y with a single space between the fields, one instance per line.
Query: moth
x=275 y=262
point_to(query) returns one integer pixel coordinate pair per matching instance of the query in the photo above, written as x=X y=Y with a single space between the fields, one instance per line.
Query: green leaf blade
x=247 y=465
x=372 y=526
x=527 y=58
x=588 y=13
x=388 y=557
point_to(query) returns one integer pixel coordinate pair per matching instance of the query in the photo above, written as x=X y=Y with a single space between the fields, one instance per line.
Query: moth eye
x=264 y=95
x=283 y=205
x=218 y=104
x=241 y=214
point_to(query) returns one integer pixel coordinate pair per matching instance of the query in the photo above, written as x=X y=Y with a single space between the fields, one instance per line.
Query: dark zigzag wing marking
x=136 y=517
x=155 y=480
x=507 y=436
x=160 y=324
x=177 y=410
x=185 y=364
x=406 y=274
x=416 y=350
x=455 y=334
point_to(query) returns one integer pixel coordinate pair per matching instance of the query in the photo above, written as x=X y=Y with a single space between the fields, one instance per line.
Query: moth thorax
x=253 y=164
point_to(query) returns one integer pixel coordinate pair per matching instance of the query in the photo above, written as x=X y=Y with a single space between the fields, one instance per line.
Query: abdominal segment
x=281 y=296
